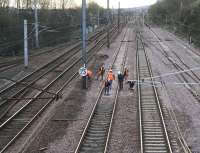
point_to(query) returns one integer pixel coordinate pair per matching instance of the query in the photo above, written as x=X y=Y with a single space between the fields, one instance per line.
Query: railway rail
x=19 y=89
x=177 y=39
x=185 y=45
x=95 y=137
x=13 y=126
x=7 y=64
x=186 y=76
x=153 y=132
x=181 y=140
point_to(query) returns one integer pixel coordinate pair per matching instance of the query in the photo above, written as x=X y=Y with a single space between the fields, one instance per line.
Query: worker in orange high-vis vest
x=89 y=74
x=110 y=77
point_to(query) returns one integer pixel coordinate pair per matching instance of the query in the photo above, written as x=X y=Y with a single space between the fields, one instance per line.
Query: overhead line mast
x=36 y=25
x=84 y=41
x=108 y=24
x=118 y=21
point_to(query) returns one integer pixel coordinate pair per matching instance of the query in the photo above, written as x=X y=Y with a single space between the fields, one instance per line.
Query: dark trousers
x=106 y=90
x=120 y=84
x=101 y=76
x=110 y=82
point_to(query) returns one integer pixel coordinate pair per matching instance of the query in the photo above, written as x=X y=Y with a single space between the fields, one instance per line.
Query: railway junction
x=45 y=109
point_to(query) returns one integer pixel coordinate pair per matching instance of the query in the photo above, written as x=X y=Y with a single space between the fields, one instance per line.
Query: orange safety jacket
x=89 y=73
x=111 y=76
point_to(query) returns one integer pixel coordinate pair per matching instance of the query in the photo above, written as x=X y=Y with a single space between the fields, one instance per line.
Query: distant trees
x=59 y=21
x=93 y=9
x=181 y=15
x=4 y=3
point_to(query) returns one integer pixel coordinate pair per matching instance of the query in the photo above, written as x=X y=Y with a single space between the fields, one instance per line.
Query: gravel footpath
x=184 y=104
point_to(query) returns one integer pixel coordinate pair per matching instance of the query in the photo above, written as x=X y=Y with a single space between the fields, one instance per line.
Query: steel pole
x=36 y=25
x=143 y=19
x=84 y=41
x=98 y=16
x=25 y=44
x=118 y=23
x=108 y=24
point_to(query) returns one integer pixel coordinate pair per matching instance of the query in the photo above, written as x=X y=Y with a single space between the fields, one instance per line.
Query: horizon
x=113 y=3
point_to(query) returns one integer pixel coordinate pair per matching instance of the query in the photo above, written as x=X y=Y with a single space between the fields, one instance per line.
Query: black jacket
x=120 y=77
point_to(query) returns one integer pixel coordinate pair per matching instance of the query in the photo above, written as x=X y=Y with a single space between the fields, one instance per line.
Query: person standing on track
x=107 y=87
x=110 y=77
x=120 y=79
x=89 y=74
x=126 y=73
x=100 y=72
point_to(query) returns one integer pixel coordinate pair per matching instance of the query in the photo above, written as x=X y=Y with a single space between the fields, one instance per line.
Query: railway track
x=183 y=146
x=185 y=45
x=187 y=76
x=10 y=64
x=95 y=137
x=20 y=89
x=153 y=132
x=21 y=119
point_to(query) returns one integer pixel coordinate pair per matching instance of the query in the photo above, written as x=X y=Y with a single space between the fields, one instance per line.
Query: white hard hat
x=119 y=72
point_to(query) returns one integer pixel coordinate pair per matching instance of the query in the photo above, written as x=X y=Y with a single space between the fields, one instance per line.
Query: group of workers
x=111 y=77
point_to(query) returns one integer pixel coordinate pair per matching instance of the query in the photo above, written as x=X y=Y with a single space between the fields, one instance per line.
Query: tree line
x=182 y=16
x=46 y=4
x=59 y=22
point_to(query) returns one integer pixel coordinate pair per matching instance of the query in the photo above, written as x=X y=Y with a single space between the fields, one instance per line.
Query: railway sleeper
x=91 y=150
x=93 y=145
x=97 y=141
x=93 y=134
x=98 y=128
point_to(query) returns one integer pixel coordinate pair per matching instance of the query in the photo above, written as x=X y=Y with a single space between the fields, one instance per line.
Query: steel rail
x=156 y=99
x=178 y=67
x=66 y=70
x=185 y=45
x=45 y=106
x=95 y=106
x=4 y=68
x=171 y=112
x=195 y=75
x=29 y=85
x=166 y=55
x=139 y=97
x=70 y=49
x=9 y=64
x=116 y=98
x=76 y=61
x=181 y=139
x=6 y=105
